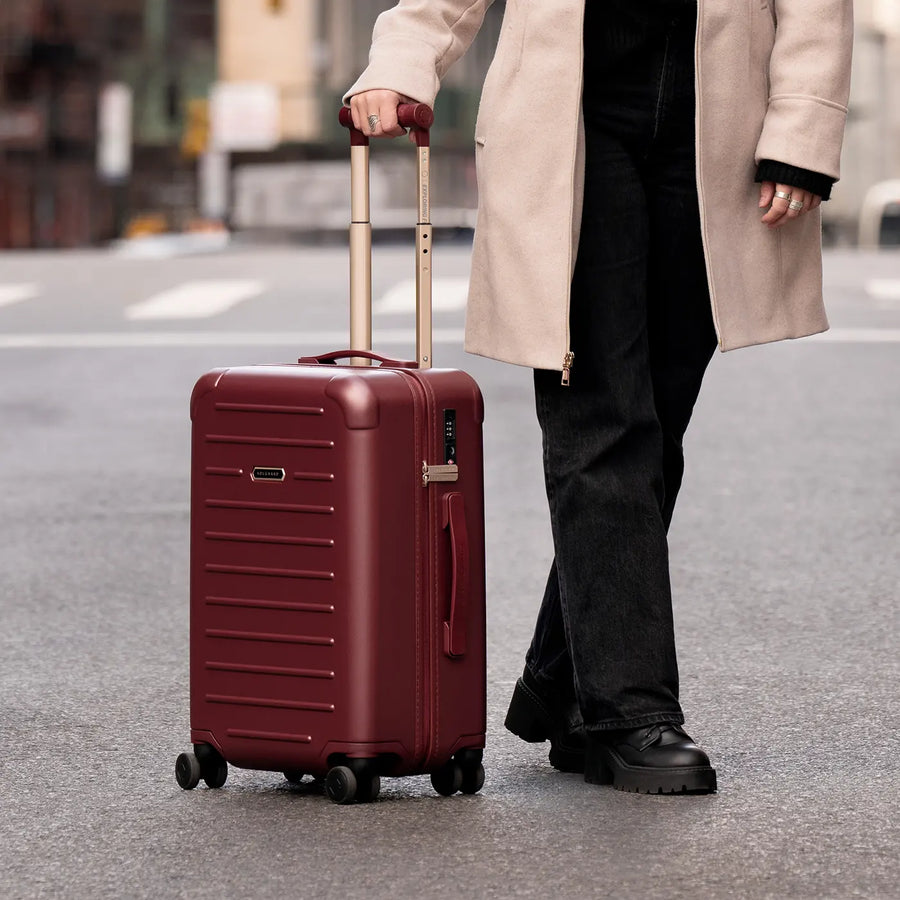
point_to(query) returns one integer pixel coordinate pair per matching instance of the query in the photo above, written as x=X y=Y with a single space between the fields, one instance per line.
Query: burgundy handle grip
x=334 y=356
x=455 y=628
x=411 y=115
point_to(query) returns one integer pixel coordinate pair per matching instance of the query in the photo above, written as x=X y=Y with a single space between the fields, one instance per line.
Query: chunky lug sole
x=529 y=719
x=605 y=766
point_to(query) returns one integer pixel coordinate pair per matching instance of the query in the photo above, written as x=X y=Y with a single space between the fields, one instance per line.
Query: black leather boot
x=537 y=714
x=656 y=759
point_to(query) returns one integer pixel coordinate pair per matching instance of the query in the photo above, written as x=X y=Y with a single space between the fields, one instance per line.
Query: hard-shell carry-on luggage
x=337 y=562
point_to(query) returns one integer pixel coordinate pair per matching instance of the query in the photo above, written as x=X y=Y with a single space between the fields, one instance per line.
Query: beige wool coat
x=772 y=82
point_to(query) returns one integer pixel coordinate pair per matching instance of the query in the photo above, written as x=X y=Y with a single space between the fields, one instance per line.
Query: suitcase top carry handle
x=411 y=115
x=332 y=358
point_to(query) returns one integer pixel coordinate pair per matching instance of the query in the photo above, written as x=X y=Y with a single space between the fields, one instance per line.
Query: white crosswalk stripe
x=885 y=291
x=196 y=300
x=319 y=340
x=857 y=336
x=448 y=295
x=16 y=293
x=307 y=341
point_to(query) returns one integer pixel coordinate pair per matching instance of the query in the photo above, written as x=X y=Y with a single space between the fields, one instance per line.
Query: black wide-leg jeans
x=643 y=335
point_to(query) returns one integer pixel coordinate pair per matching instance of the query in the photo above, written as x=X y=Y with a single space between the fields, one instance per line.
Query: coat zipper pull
x=568 y=361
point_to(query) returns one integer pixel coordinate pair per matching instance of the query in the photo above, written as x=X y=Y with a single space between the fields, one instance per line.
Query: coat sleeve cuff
x=805 y=132
x=805 y=179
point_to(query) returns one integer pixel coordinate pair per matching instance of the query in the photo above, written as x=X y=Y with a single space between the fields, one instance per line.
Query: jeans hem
x=540 y=674
x=660 y=718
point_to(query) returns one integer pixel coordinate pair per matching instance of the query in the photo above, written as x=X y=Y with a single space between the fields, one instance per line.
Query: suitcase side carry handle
x=455 y=628
x=411 y=115
x=332 y=358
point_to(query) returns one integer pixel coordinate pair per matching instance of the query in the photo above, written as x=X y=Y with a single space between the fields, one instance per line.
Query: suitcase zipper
x=426 y=625
x=432 y=697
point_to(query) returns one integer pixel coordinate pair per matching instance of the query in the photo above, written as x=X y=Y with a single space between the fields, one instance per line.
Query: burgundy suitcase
x=337 y=562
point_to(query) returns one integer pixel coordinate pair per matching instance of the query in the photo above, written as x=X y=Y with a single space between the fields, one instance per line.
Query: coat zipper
x=568 y=360
x=569 y=357
x=700 y=197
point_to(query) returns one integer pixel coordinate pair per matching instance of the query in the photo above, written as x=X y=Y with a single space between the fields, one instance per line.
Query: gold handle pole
x=423 y=263
x=360 y=255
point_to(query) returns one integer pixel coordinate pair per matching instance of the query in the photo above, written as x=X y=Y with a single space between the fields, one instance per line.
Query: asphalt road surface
x=784 y=561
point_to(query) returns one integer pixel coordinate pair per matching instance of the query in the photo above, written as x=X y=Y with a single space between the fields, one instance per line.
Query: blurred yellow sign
x=195 y=140
x=145 y=225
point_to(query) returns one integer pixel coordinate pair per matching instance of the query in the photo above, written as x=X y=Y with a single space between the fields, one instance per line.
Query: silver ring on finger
x=795 y=205
x=373 y=122
x=783 y=195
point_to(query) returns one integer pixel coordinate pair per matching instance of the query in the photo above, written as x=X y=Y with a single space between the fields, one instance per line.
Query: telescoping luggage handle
x=420 y=117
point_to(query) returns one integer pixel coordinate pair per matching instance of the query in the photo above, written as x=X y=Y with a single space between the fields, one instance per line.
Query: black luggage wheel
x=473 y=779
x=340 y=784
x=187 y=771
x=368 y=788
x=472 y=769
x=216 y=775
x=205 y=762
x=462 y=773
x=448 y=779
x=357 y=781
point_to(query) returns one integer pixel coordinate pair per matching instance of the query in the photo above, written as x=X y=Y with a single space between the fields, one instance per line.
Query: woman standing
x=620 y=238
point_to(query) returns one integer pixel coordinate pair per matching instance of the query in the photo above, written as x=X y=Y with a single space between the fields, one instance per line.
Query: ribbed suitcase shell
x=320 y=603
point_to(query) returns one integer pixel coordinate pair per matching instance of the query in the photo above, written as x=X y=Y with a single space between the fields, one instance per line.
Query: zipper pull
x=568 y=361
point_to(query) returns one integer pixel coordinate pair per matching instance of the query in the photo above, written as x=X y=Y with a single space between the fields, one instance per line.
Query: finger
x=361 y=107
x=779 y=206
x=815 y=203
x=356 y=112
x=372 y=118
x=387 y=114
x=799 y=204
x=368 y=109
x=378 y=113
x=766 y=194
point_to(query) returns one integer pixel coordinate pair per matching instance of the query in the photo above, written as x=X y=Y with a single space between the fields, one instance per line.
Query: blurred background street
x=173 y=198
x=135 y=117
x=123 y=118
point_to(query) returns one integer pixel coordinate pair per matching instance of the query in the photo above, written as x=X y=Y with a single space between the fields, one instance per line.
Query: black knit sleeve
x=782 y=173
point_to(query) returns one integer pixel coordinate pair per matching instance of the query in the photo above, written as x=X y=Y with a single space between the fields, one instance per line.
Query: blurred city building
x=312 y=52
x=139 y=115
x=56 y=58
x=48 y=78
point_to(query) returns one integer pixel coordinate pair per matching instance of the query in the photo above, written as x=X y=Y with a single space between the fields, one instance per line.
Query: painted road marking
x=857 y=336
x=448 y=295
x=886 y=291
x=308 y=341
x=196 y=300
x=167 y=246
x=320 y=340
x=16 y=293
